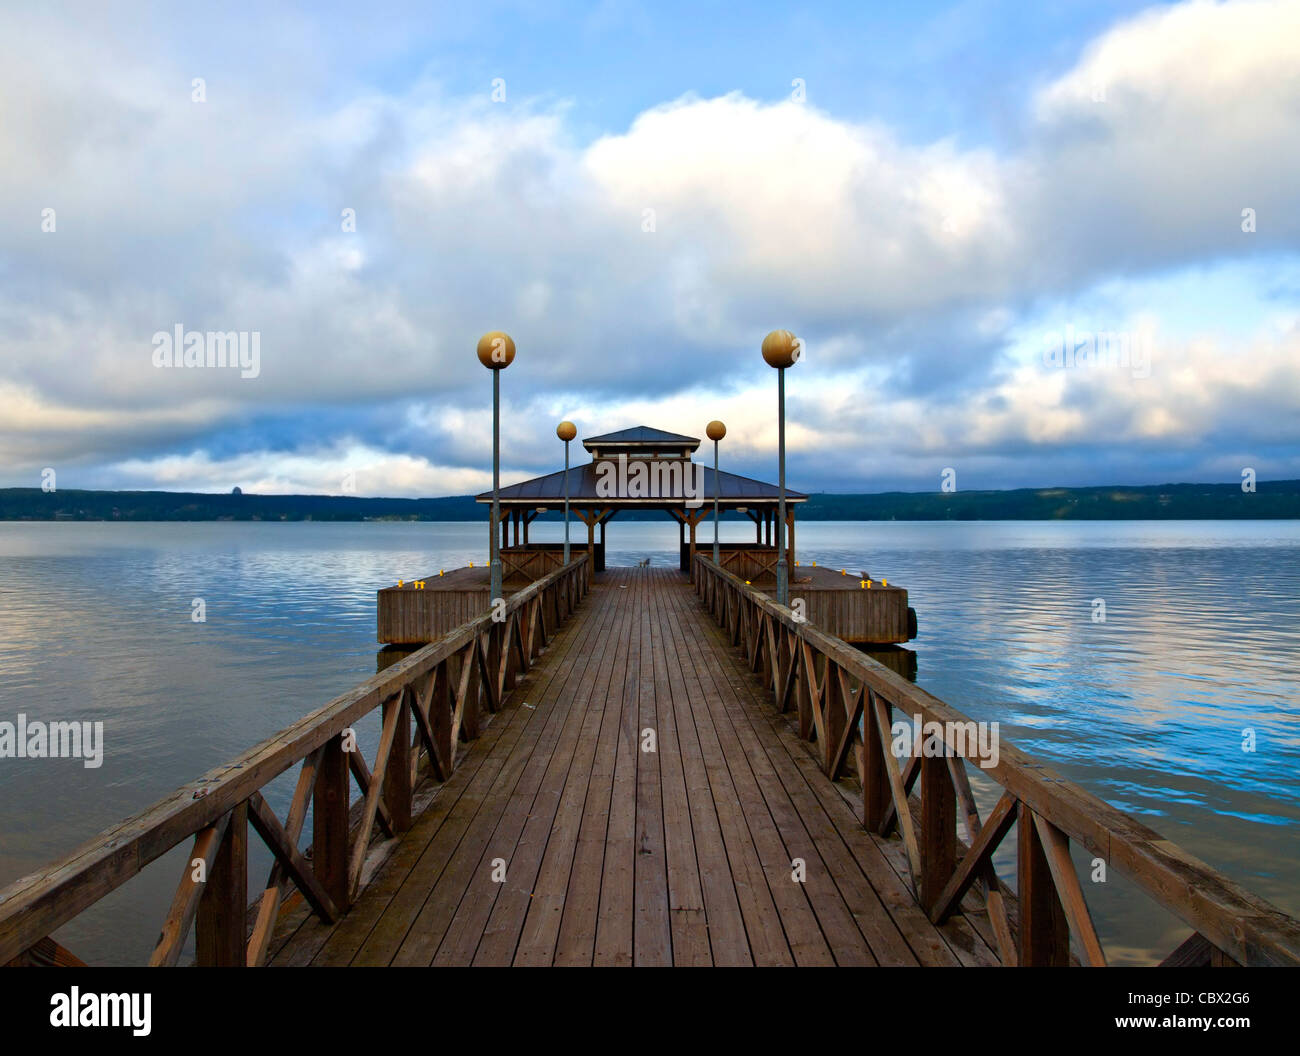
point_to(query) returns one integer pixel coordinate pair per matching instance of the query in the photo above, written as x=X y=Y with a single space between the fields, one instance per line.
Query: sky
x=1030 y=244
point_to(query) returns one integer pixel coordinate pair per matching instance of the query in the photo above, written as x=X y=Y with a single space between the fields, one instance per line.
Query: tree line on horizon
x=1272 y=500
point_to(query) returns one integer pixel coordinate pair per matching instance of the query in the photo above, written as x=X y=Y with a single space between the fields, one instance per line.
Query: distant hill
x=1277 y=499
x=1273 y=500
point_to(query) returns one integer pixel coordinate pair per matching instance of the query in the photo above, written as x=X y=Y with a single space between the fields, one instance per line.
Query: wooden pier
x=638 y=768
x=613 y=854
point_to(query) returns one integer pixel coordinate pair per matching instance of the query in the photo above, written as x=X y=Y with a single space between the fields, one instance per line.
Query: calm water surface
x=1147 y=710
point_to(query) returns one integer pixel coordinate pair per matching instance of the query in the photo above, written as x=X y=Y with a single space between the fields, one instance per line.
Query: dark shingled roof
x=582 y=489
x=641 y=434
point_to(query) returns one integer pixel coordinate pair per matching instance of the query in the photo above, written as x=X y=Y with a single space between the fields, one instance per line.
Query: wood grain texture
x=646 y=812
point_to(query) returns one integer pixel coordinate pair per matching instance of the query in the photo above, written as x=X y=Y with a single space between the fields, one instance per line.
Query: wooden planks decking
x=616 y=855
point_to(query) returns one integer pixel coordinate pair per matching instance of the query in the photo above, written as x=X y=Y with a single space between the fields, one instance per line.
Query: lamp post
x=566 y=431
x=781 y=349
x=715 y=431
x=496 y=351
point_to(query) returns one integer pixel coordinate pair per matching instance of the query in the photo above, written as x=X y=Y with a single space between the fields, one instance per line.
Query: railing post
x=397 y=778
x=1044 y=932
x=469 y=716
x=219 y=931
x=494 y=658
x=786 y=663
x=807 y=672
x=834 y=718
x=876 y=796
x=330 y=822
x=442 y=709
x=938 y=826
x=513 y=623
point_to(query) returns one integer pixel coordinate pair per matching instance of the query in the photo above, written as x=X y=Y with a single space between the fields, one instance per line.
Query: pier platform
x=609 y=853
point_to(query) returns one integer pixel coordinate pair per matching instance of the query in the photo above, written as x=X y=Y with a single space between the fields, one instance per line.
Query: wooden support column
x=938 y=827
x=496 y=642
x=834 y=717
x=605 y=515
x=330 y=822
x=1044 y=932
x=397 y=778
x=789 y=538
x=442 y=711
x=219 y=931
x=875 y=778
x=876 y=798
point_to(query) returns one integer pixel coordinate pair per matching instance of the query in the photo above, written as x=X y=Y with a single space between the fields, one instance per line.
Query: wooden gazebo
x=647 y=469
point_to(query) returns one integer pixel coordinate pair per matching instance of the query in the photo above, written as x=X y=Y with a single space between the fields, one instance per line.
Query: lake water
x=1201 y=641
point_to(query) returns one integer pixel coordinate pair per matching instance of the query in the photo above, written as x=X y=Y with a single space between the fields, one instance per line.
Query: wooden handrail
x=440 y=688
x=845 y=702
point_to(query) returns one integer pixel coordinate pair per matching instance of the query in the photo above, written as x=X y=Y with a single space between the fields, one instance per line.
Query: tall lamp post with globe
x=496 y=351
x=715 y=431
x=781 y=349
x=566 y=431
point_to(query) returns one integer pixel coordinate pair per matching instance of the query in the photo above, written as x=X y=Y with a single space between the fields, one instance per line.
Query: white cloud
x=905 y=264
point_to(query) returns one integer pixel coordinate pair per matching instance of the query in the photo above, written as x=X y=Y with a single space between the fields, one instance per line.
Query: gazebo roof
x=735 y=490
x=641 y=435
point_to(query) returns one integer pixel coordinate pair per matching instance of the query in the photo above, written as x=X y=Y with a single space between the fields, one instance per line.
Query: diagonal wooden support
x=371 y=804
x=437 y=760
x=1056 y=847
x=994 y=899
x=520 y=661
x=754 y=641
x=465 y=716
x=850 y=733
x=909 y=775
x=361 y=772
x=898 y=791
x=268 y=826
x=176 y=925
x=811 y=724
x=483 y=659
x=46 y=953
x=981 y=850
x=269 y=908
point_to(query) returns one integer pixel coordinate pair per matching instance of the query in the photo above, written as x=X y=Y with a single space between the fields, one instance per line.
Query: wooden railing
x=440 y=690
x=532 y=561
x=846 y=703
x=751 y=562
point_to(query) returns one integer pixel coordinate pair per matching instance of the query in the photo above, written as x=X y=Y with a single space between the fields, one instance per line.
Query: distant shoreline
x=1272 y=500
